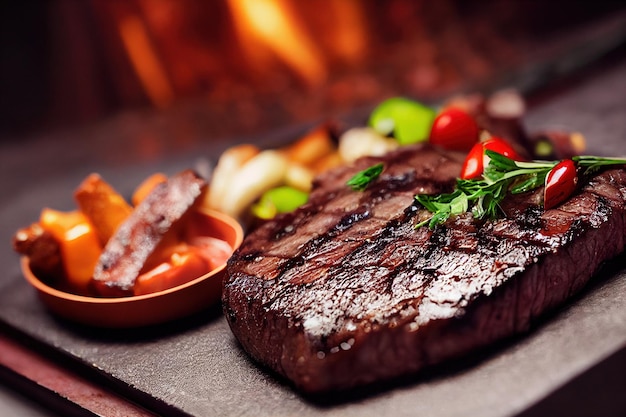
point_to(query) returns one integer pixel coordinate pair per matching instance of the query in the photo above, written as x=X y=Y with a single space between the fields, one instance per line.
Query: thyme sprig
x=483 y=196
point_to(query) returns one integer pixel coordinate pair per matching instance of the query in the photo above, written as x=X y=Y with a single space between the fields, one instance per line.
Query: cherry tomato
x=560 y=183
x=454 y=129
x=473 y=165
x=502 y=147
x=476 y=160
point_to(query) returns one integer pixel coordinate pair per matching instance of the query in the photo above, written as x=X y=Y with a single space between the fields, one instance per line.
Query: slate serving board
x=195 y=366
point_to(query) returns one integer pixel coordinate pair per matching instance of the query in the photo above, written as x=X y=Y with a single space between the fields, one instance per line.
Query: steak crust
x=345 y=291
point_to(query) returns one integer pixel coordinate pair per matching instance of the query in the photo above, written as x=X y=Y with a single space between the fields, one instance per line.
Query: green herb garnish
x=362 y=179
x=482 y=196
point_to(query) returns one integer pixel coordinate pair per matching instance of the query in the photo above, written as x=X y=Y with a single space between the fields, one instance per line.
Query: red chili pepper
x=454 y=129
x=476 y=160
x=560 y=183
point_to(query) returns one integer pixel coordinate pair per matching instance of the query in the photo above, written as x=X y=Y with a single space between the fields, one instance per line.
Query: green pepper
x=408 y=120
x=282 y=199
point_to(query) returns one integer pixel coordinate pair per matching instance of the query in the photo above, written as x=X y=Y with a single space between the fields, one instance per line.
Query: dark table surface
x=194 y=366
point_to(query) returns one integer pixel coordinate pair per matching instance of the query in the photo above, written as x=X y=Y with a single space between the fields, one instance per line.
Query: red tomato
x=476 y=160
x=560 y=183
x=473 y=165
x=502 y=147
x=454 y=129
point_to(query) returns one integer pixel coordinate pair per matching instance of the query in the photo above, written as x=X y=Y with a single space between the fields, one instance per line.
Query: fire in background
x=254 y=64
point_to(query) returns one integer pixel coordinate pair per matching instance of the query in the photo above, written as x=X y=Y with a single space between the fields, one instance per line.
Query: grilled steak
x=346 y=291
x=128 y=250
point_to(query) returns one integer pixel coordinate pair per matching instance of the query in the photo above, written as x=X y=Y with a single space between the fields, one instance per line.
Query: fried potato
x=329 y=161
x=311 y=147
x=227 y=167
x=364 y=141
x=259 y=174
x=78 y=243
x=299 y=176
x=146 y=187
x=105 y=208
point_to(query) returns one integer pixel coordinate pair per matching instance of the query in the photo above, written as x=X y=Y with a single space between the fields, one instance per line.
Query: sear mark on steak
x=345 y=291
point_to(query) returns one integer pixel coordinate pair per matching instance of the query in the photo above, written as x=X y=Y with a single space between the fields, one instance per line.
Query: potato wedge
x=299 y=176
x=227 y=167
x=146 y=187
x=311 y=147
x=329 y=161
x=103 y=206
x=78 y=243
x=259 y=174
x=364 y=141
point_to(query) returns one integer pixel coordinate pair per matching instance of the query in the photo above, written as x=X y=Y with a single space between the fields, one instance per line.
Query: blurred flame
x=145 y=60
x=167 y=46
x=272 y=24
x=349 y=37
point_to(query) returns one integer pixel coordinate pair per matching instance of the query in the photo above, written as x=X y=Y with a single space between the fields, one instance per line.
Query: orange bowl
x=154 y=308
